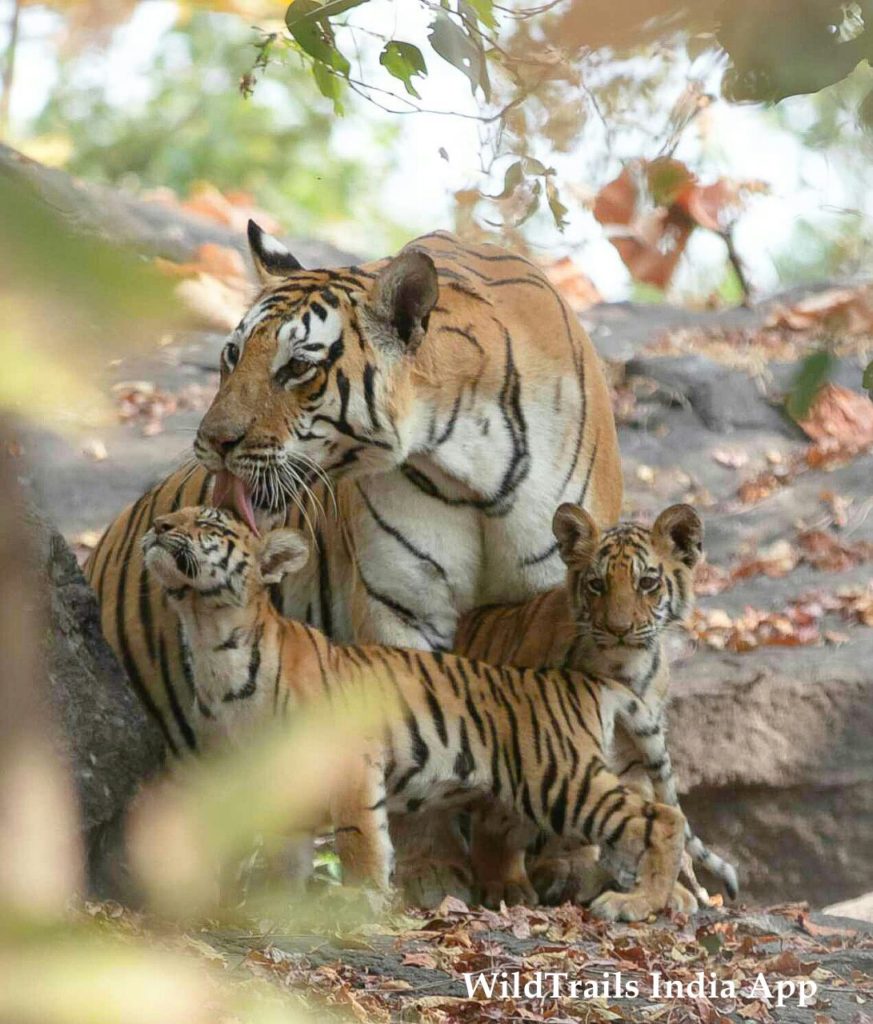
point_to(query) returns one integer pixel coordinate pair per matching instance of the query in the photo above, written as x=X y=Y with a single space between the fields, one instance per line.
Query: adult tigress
x=449 y=400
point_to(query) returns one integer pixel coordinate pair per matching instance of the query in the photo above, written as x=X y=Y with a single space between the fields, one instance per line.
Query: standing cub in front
x=449 y=731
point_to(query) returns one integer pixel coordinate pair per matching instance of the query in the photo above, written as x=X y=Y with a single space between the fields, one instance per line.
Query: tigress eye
x=230 y=355
x=649 y=582
x=596 y=586
x=292 y=370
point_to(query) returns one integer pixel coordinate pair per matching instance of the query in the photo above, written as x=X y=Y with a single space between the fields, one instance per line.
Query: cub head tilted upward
x=209 y=554
x=629 y=583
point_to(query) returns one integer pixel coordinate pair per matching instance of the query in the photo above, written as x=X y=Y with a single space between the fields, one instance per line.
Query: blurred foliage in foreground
x=70 y=303
x=189 y=123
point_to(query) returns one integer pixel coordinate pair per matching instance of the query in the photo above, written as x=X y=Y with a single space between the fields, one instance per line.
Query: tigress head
x=628 y=583
x=315 y=378
x=208 y=553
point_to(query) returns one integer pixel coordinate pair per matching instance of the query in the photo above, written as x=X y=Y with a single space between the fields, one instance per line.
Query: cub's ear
x=282 y=551
x=404 y=294
x=576 y=533
x=678 y=533
x=272 y=260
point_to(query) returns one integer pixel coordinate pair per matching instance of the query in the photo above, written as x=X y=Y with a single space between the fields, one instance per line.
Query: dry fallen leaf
x=843 y=310
x=96 y=450
x=732 y=458
x=840 y=415
x=574 y=284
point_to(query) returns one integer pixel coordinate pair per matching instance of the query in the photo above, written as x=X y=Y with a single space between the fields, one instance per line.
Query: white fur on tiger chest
x=226 y=715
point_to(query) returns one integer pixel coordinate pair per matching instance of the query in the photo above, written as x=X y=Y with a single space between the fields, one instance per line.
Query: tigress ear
x=678 y=533
x=576 y=533
x=403 y=296
x=282 y=551
x=272 y=260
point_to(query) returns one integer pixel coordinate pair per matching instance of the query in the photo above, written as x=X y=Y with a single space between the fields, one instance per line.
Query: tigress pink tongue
x=228 y=491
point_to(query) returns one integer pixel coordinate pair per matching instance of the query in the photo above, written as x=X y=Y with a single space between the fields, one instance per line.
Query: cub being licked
x=625 y=586
x=449 y=732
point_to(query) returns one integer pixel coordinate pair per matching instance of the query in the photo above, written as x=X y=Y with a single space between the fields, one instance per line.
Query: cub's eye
x=596 y=586
x=230 y=355
x=292 y=370
x=649 y=582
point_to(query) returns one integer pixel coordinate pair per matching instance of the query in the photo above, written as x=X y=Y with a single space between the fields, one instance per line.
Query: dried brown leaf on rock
x=221 y=261
x=574 y=284
x=732 y=458
x=233 y=209
x=142 y=402
x=95 y=450
x=839 y=415
x=842 y=310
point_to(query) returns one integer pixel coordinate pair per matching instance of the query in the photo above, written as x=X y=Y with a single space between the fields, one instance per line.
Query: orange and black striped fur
x=452 y=732
x=625 y=587
x=445 y=402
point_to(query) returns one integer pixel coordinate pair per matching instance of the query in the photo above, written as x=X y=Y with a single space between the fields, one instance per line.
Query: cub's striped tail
x=716 y=865
x=648 y=733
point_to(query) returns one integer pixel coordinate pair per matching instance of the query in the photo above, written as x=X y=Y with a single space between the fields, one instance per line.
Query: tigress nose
x=224 y=442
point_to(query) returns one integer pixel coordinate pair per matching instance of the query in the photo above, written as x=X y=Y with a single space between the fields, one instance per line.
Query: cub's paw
x=623 y=906
x=426 y=883
x=512 y=892
x=682 y=900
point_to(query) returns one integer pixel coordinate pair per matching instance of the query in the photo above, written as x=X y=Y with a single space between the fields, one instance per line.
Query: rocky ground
x=422 y=967
x=773 y=716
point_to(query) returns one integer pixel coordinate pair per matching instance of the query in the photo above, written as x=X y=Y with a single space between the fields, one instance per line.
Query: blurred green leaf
x=712 y=942
x=813 y=374
x=311 y=30
x=460 y=49
x=403 y=61
x=329 y=84
x=302 y=11
x=513 y=177
x=483 y=10
x=534 y=166
x=559 y=211
x=867 y=379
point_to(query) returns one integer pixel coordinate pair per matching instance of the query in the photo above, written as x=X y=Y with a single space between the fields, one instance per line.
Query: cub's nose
x=162 y=526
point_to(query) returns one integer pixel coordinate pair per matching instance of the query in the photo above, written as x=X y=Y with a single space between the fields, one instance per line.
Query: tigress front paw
x=623 y=906
x=682 y=900
x=426 y=883
x=512 y=892
x=577 y=877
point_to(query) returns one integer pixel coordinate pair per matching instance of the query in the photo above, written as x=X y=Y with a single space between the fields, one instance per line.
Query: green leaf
x=483 y=10
x=867 y=379
x=329 y=84
x=812 y=375
x=314 y=34
x=403 y=60
x=460 y=49
x=309 y=10
x=711 y=943
x=534 y=166
x=513 y=177
x=559 y=211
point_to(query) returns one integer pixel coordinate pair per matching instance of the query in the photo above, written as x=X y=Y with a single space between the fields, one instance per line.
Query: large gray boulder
x=109 y=741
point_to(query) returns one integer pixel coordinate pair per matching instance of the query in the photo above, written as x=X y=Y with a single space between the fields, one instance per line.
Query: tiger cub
x=624 y=588
x=451 y=732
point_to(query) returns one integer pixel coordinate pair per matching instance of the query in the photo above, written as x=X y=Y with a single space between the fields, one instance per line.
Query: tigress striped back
x=133 y=609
